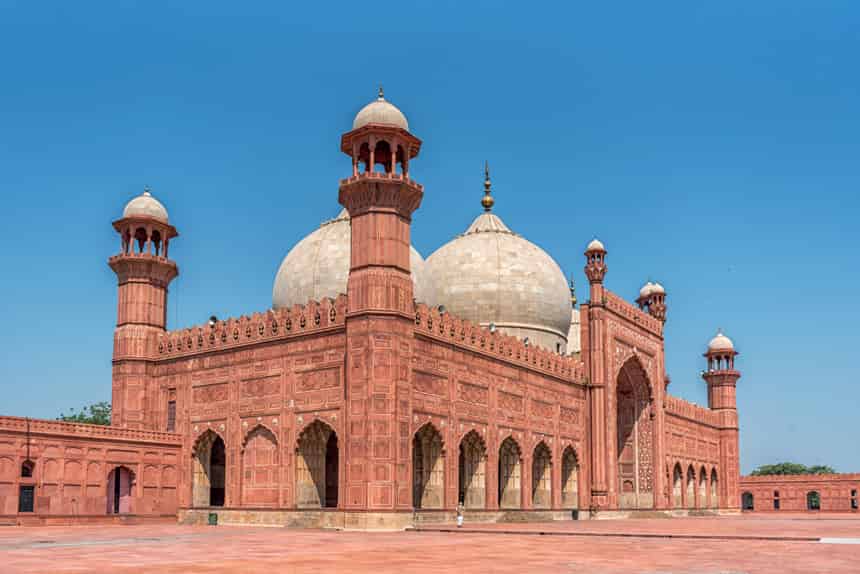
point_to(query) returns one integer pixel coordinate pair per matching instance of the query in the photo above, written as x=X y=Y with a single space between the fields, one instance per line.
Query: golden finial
x=381 y=95
x=487 y=201
x=572 y=292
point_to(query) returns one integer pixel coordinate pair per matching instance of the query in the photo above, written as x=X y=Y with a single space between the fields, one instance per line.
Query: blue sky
x=712 y=146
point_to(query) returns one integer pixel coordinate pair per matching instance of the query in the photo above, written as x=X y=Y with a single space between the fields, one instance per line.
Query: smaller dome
x=595 y=245
x=657 y=288
x=721 y=343
x=380 y=111
x=647 y=289
x=144 y=205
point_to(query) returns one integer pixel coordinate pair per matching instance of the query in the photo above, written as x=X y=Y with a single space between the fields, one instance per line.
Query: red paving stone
x=174 y=548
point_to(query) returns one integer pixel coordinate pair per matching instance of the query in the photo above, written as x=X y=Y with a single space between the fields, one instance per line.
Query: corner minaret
x=595 y=268
x=722 y=379
x=144 y=272
x=380 y=318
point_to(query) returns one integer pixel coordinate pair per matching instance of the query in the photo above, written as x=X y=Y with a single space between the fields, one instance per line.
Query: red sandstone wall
x=692 y=441
x=73 y=461
x=835 y=491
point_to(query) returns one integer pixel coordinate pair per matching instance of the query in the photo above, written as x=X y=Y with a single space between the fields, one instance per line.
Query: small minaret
x=722 y=378
x=595 y=268
x=652 y=300
x=144 y=272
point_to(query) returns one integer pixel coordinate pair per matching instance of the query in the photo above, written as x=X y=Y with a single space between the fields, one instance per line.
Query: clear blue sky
x=712 y=146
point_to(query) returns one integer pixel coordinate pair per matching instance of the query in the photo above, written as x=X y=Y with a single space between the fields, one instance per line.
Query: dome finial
x=381 y=95
x=572 y=292
x=487 y=201
x=147 y=190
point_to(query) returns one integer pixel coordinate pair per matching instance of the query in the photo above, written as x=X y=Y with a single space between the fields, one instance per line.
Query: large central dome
x=318 y=267
x=489 y=274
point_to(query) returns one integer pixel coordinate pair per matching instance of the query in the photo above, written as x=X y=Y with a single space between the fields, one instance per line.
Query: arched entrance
x=747 y=501
x=703 y=488
x=541 y=476
x=635 y=437
x=813 y=500
x=210 y=465
x=473 y=471
x=569 y=479
x=677 y=487
x=317 y=459
x=691 y=488
x=260 y=466
x=119 y=489
x=509 y=474
x=428 y=468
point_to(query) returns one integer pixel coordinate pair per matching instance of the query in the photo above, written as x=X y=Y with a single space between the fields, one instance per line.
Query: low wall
x=792 y=493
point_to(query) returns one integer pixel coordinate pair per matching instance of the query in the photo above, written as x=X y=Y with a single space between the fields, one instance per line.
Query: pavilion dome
x=380 y=111
x=144 y=205
x=721 y=343
x=490 y=274
x=646 y=290
x=318 y=267
x=595 y=245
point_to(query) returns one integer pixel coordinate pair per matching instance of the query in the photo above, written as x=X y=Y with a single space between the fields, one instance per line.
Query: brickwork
x=802 y=492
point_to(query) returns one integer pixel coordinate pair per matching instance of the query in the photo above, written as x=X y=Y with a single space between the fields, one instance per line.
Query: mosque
x=383 y=389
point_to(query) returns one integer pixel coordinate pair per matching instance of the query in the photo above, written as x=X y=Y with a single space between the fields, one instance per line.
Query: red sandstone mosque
x=382 y=388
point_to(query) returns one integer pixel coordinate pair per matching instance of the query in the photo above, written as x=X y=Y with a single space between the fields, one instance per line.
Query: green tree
x=792 y=468
x=95 y=414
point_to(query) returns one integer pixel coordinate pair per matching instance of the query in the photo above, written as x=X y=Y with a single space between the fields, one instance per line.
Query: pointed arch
x=209 y=468
x=317 y=466
x=703 y=488
x=260 y=467
x=541 y=476
x=635 y=435
x=690 y=500
x=569 y=478
x=677 y=486
x=510 y=475
x=715 y=496
x=473 y=471
x=428 y=468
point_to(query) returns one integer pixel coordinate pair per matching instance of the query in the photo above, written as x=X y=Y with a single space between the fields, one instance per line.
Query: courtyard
x=744 y=544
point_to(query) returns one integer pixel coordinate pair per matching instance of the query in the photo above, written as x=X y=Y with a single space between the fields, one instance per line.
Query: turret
x=652 y=300
x=721 y=375
x=595 y=269
x=144 y=272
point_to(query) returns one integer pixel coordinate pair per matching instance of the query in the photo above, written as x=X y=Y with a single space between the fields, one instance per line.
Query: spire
x=381 y=95
x=147 y=190
x=572 y=292
x=487 y=201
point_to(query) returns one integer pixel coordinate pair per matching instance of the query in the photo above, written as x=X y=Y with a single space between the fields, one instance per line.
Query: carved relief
x=474 y=394
x=429 y=383
x=262 y=387
x=510 y=402
x=318 y=379
x=210 y=393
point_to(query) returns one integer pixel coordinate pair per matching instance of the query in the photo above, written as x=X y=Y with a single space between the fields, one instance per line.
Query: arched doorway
x=317 y=459
x=747 y=501
x=677 y=487
x=210 y=466
x=691 y=488
x=703 y=488
x=635 y=437
x=813 y=500
x=715 y=496
x=541 y=476
x=569 y=479
x=119 y=490
x=473 y=471
x=509 y=474
x=428 y=468
x=260 y=466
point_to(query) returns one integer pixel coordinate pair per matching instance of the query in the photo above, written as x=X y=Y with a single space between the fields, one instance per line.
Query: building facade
x=801 y=493
x=381 y=388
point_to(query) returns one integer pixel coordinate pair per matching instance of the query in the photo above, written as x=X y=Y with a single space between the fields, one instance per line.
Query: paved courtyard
x=748 y=544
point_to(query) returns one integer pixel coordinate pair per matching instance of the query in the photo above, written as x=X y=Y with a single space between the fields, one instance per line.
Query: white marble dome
x=489 y=274
x=380 y=111
x=595 y=245
x=721 y=343
x=318 y=267
x=646 y=290
x=144 y=205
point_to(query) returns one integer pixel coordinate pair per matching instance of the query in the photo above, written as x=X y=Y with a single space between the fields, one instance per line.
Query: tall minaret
x=722 y=379
x=144 y=272
x=593 y=335
x=381 y=311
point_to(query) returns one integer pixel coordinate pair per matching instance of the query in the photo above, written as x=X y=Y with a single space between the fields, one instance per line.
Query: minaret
x=722 y=379
x=652 y=300
x=593 y=335
x=381 y=312
x=143 y=271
